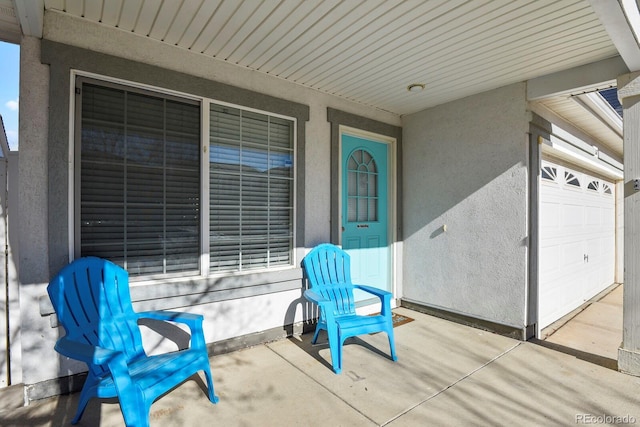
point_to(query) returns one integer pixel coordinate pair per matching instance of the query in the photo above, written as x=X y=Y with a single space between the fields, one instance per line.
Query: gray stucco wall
x=32 y=210
x=465 y=167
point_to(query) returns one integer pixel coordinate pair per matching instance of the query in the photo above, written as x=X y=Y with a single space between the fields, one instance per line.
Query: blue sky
x=9 y=88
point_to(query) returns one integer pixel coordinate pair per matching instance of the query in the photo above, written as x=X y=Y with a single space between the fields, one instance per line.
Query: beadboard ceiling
x=367 y=51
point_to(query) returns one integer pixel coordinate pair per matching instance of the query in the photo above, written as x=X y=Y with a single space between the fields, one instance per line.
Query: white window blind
x=140 y=180
x=251 y=190
x=140 y=177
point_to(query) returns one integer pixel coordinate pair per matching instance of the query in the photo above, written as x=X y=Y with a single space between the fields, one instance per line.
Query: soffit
x=369 y=51
x=575 y=113
x=9 y=25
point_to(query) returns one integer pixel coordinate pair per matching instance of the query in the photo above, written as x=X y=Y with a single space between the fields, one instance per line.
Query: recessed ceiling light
x=416 y=87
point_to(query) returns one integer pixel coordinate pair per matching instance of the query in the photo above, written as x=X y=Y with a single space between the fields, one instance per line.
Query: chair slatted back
x=327 y=264
x=328 y=269
x=93 y=304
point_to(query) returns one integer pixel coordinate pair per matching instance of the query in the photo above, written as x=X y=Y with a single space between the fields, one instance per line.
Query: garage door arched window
x=362 y=187
x=549 y=173
x=599 y=187
x=571 y=179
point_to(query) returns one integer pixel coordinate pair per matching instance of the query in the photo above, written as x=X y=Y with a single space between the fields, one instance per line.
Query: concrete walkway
x=594 y=331
x=447 y=375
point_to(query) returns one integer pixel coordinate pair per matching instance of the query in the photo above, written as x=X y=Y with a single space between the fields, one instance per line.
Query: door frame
x=392 y=193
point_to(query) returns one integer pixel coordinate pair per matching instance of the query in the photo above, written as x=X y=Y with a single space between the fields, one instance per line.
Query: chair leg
x=315 y=335
x=340 y=350
x=335 y=347
x=88 y=391
x=135 y=411
x=82 y=405
x=212 y=396
x=392 y=344
x=389 y=330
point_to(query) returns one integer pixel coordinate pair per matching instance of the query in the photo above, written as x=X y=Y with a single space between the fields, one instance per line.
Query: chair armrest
x=385 y=297
x=375 y=291
x=326 y=306
x=89 y=354
x=171 y=316
x=316 y=298
x=193 y=321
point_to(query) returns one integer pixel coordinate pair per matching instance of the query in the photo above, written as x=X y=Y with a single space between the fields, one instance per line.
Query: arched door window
x=362 y=187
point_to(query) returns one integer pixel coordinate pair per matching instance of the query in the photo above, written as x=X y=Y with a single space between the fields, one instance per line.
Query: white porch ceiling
x=367 y=51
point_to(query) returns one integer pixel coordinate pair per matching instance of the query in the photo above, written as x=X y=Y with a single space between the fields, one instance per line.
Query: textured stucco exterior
x=37 y=358
x=466 y=206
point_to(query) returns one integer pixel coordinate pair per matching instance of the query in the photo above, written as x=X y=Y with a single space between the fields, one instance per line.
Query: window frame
x=75 y=121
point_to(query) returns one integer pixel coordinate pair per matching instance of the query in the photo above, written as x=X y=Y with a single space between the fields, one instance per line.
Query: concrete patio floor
x=447 y=374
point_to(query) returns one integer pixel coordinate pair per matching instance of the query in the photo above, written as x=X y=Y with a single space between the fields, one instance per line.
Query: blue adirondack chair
x=328 y=271
x=92 y=301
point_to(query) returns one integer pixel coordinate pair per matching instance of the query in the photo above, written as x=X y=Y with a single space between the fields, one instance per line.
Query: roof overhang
x=621 y=19
x=30 y=13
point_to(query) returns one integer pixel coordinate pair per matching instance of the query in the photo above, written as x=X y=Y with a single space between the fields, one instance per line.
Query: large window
x=142 y=183
x=250 y=190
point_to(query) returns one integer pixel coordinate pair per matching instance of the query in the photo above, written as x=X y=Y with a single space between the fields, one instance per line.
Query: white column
x=629 y=352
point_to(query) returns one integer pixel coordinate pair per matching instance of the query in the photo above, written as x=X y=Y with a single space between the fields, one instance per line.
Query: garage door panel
x=594 y=251
x=577 y=238
x=573 y=255
x=594 y=216
x=573 y=216
x=550 y=215
x=550 y=257
x=609 y=219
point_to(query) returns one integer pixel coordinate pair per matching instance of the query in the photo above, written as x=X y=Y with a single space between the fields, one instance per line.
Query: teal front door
x=365 y=210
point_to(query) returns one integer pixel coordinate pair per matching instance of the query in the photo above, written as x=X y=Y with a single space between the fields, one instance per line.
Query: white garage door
x=577 y=240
